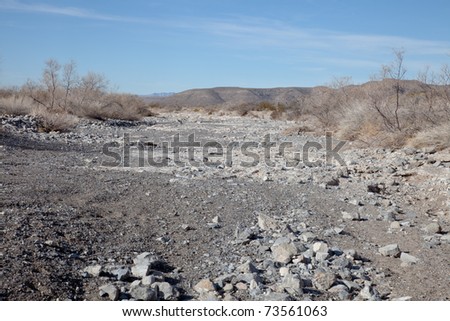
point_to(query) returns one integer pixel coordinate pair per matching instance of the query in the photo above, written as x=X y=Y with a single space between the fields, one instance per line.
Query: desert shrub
x=53 y=121
x=265 y=106
x=16 y=105
x=297 y=130
x=243 y=109
x=61 y=91
x=294 y=113
x=115 y=106
x=360 y=123
x=276 y=114
x=129 y=106
x=276 y=110
x=438 y=137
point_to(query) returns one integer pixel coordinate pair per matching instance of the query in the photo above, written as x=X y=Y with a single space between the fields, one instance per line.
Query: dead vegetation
x=387 y=111
x=61 y=96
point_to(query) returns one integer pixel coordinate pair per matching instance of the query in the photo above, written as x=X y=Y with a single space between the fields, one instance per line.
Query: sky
x=148 y=46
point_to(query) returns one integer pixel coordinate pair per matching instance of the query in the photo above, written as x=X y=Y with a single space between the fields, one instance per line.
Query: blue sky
x=146 y=46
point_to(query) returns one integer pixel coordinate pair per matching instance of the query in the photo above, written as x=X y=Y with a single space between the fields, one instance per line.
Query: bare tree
x=341 y=82
x=33 y=90
x=342 y=95
x=325 y=106
x=69 y=81
x=395 y=72
x=428 y=84
x=51 y=80
x=92 y=86
x=444 y=80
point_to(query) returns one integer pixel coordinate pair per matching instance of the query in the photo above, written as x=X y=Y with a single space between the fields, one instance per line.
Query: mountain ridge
x=233 y=96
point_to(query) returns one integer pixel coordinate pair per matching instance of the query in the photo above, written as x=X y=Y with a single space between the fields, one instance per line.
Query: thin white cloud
x=13 y=5
x=276 y=34
x=243 y=32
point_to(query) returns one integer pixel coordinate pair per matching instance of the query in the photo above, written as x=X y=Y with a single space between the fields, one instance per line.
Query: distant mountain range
x=160 y=94
x=156 y=97
x=233 y=96
x=227 y=96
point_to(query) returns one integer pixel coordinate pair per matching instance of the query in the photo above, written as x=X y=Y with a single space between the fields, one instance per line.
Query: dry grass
x=108 y=106
x=438 y=137
x=114 y=106
x=54 y=122
x=16 y=105
x=297 y=130
x=61 y=91
x=275 y=111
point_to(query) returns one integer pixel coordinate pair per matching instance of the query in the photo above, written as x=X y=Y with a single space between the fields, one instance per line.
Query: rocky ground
x=209 y=224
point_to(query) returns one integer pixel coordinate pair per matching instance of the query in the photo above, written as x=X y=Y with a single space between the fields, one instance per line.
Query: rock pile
x=284 y=263
x=145 y=280
x=23 y=123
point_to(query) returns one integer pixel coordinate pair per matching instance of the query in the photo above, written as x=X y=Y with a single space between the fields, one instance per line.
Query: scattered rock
x=93 y=270
x=322 y=256
x=244 y=235
x=323 y=280
x=353 y=216
x=351 y=285
x=369 y=294
x=390 y=250
x=143 y=293
x=122 y=273
x=433 y=228
x=215 y=223
x=293 y=247
x=241 y=286
x=228 y=287
x=109 y=290
x=389 y=216
x=341 y=291
x=395 y=225
x=247 y=267
x=148 y=280
x=186 y=227
x=408 y=259
x=267 y=223
x=140 y=271
x=376 y=188
x=320 y=247
x=351 y=254
x=333 y=182
x=308 y=237
x=204 y=285
x=292 y=284
x=223 y=279
x=248 y=278
x=283 y=250
x=284 y=271
x=148 y=259
x=445 y=238
x=165 y=290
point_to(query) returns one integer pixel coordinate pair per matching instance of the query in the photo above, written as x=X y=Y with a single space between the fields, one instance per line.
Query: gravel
x=77 y=230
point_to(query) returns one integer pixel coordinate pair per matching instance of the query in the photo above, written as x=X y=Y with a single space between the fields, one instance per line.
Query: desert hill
x=232 y=96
